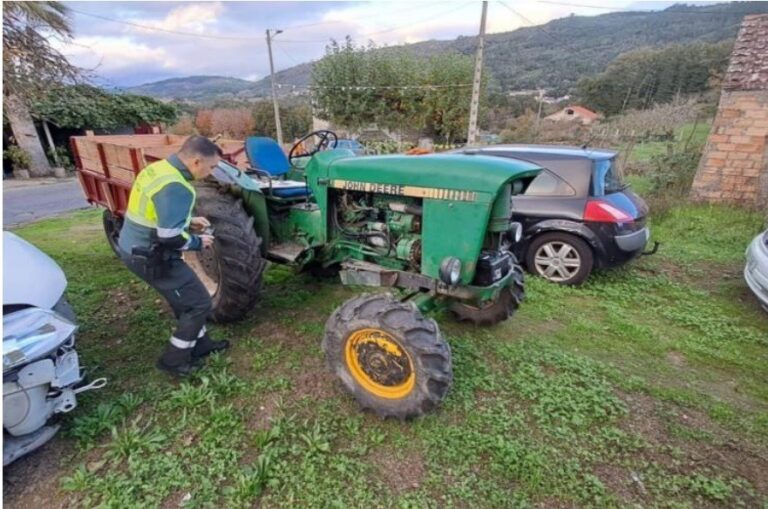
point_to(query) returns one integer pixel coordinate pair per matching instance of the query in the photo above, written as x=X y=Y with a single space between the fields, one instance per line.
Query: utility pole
x=538 y=113
x=278 y=128
x=475 y=104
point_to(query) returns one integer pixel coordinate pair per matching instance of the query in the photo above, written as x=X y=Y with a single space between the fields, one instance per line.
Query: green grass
x=645 y=387
x=693 y=134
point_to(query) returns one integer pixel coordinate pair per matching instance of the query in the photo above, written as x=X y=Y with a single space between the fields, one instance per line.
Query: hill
x=194 y=88
x=552 y=56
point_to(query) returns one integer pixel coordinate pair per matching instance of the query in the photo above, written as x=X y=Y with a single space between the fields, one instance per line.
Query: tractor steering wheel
x=328 y=141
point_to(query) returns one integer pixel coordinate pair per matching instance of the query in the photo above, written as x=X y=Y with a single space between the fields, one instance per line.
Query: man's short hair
x=200 y=146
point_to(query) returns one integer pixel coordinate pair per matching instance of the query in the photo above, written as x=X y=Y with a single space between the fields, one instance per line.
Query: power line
x=158 y=29
x=390 y=29
x=374 y=87
x=531 y=23
x=666 y=11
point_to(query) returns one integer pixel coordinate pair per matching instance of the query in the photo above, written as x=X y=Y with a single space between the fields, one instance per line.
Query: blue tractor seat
x=264 y=154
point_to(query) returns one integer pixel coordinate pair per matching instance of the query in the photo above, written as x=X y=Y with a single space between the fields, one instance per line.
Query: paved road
x=28 y=203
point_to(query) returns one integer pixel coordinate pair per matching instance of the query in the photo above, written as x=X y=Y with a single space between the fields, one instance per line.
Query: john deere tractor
x=436 y=229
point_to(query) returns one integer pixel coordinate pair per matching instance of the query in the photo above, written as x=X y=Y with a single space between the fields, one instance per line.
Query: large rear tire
x=394 y=361
x=112 y=226
x=499 y=310
x=232 y=269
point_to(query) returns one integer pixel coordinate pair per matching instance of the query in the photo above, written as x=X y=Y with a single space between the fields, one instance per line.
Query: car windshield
x=607 y=178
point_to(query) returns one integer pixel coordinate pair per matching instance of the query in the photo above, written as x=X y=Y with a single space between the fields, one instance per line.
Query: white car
x=41 y=369
x=756 y=270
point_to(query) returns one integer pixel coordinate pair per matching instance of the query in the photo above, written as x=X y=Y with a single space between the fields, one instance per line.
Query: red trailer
x=108 y=165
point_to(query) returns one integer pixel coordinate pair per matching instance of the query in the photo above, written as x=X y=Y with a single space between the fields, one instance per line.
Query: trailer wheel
x=499 y=310
x=112 y=225
x=394 y=361
x=232 y=269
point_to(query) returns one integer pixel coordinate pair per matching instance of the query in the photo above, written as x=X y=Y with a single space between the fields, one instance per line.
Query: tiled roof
x=748 y=69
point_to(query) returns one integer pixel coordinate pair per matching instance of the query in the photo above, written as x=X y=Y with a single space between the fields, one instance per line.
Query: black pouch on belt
x=154 y=260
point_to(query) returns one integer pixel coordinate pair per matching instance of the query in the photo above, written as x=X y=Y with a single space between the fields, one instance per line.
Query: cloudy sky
x=130 y=43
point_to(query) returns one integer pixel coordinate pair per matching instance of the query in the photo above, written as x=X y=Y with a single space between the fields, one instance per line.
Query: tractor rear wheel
x=232 y=269
x=112 y=225
x=499 y=310
x=394 y=361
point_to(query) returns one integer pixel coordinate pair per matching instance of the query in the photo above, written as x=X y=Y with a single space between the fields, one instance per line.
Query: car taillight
x=603 y=212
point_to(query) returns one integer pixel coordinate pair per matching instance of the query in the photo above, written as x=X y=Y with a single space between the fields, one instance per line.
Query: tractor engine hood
x=483 y=176
x=30 y=277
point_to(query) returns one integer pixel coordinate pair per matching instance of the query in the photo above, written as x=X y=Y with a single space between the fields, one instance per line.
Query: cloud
x=130 y=55
x=194 y=18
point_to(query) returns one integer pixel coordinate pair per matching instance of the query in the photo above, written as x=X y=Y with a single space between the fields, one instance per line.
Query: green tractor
x=436 y=229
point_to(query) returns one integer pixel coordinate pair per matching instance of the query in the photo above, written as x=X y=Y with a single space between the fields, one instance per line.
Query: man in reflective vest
x=157 y=229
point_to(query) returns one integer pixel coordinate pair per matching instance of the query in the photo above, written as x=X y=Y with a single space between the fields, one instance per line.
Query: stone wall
x=734 y=165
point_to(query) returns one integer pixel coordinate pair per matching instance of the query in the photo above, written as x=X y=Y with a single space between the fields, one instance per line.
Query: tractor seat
x=265 y=155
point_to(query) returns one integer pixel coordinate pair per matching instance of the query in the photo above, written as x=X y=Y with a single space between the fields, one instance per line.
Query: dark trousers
x=183 y=291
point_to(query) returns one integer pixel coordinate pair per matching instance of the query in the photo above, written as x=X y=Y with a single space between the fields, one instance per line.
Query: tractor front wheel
x=394 y=361
x=499 y=310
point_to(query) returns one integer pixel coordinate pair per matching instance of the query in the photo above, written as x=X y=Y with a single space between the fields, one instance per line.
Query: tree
x=355 y=86
x=295 y=119
x=85 y=106
x=639 y=79
x=30 y=66
x=232 y=123
x=203 y=122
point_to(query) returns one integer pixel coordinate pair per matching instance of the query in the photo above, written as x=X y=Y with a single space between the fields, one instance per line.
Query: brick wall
x=734 y=165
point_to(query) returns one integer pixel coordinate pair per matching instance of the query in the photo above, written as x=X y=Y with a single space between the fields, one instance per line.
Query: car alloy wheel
x=557 y=261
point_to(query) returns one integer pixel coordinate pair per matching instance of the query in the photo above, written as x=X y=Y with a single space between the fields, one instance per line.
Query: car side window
x=547 y=183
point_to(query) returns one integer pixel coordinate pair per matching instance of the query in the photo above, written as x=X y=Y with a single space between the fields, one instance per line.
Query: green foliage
x=87 y=107
x=641 y=78
x=295 y=119
x=341 y=96
x=61 y=154
x=575 y=402
x=31 y=64
x=18 y=157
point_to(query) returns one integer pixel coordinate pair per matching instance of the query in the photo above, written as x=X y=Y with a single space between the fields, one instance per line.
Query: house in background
x=574 y=114
x=734 y=164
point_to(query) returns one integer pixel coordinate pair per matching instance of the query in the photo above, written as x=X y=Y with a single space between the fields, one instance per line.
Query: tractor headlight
x=33 y=333
x=450 y=270
x=516 y=231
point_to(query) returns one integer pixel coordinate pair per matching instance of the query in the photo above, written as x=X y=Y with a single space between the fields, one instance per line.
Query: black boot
x=177 y=361
x=205 y=346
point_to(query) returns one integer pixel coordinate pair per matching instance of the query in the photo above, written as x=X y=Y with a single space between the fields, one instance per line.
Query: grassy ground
x=645 y=387
x=693 y=134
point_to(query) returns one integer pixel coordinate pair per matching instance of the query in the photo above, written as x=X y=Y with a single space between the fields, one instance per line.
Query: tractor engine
x=386 y=228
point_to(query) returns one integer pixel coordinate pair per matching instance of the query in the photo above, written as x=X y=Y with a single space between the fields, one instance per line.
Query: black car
x=577 y=213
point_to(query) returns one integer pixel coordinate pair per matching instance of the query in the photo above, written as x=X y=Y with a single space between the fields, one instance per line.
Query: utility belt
x=155 y=260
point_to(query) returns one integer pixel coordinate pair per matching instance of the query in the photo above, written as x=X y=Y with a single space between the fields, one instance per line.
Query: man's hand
x=198 y=224
x=207 y=240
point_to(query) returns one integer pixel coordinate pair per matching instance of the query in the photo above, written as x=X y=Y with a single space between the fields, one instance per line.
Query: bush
x=61 y=154
x=19 y=157
x=671 y=176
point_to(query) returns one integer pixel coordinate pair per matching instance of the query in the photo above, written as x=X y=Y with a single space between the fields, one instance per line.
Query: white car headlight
x=31 y=334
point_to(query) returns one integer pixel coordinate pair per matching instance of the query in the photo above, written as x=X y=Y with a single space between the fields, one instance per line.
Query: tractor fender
x=564 y=225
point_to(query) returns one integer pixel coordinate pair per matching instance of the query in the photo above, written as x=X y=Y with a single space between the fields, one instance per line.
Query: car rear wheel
x=560 y=257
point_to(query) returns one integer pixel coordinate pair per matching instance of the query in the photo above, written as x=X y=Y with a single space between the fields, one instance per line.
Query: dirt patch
x=264 y=411
x=32 y=482
x=719 y=449
x=620 y=482
x=398 y=472
x=676 y=359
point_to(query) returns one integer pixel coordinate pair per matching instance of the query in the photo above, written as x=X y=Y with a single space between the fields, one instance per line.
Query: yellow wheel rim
x=379 y=364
